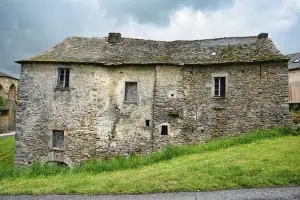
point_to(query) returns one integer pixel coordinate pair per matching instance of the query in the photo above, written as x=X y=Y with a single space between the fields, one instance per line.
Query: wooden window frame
x=63 y=80
x=219 y=89
x=52 y=140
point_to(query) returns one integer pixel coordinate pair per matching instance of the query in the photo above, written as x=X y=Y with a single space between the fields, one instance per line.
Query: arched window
x=12 y=92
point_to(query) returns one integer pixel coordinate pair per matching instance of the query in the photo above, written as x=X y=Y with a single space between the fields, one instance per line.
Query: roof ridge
x=145 y=39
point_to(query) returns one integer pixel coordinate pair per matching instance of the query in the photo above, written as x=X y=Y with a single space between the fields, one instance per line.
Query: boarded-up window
x=58 y=139
x=220 y=86
x=63 y=78
x=131 y=91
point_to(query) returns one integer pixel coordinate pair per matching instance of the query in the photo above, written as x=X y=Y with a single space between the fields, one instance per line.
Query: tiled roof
x=7 y=76
x=139 y=51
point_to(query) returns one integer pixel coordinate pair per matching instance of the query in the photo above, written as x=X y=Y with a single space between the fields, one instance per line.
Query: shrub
x=1 y=103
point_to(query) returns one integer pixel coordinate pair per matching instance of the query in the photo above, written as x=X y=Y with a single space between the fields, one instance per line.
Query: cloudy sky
x=29 y=27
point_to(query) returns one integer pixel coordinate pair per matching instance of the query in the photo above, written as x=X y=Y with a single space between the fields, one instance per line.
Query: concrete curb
x=285 y=193
x=7 y=134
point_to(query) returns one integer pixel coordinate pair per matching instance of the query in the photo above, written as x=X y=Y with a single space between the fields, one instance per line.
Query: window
x=131 y=92
x=63 y=78
x=220 y=86
x=147 y=122
x=58 y=139
x=164 y=130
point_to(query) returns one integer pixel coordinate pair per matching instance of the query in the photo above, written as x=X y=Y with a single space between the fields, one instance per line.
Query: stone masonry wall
x=43 y=108
x=121 y=126
x=256 y=97
x=92 y=113
x=97 y=122
x=7 y=117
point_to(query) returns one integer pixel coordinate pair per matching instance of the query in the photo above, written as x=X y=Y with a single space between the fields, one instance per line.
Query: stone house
x=101 y=97
x=294 y=78
x=8 y=91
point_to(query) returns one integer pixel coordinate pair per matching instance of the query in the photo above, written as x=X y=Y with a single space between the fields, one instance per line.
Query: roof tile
x=139 y=51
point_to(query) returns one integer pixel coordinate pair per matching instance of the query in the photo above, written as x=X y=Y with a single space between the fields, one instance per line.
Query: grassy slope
x=6 y=152
x=271 y=162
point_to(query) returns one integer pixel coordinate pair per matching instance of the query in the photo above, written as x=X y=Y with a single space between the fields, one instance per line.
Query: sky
x=29 y=27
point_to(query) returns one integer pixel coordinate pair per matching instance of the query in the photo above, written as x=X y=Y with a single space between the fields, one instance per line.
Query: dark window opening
x=147 y=122
x=220 y=86
x=58 y=139
x=63 y=78
x=164 y=130
x=4 y=113
x=57 y=164
x=131 y=91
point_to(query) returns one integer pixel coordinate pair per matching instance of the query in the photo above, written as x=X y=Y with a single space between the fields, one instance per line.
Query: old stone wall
x=92 y=113
x=4 y=128
x=121 y=126
x=98 y=122
x=256 y=97
x=8 y=90
x=168 y=106
x=44 y=108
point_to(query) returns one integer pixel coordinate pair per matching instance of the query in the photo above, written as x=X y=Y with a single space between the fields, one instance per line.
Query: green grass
x=7 y=146
x=258 y=159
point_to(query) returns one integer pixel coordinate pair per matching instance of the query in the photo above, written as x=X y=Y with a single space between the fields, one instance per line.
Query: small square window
x=63 y=80
x=58 y=139
x=164 y=130
x=220 y=86
x=131 y=92
x=147 y=123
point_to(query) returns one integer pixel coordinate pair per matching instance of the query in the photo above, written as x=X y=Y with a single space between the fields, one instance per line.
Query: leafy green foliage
x=1 y=103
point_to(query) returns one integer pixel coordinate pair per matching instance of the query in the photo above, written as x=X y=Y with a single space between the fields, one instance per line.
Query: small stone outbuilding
x=101 y=97
x=8 y=94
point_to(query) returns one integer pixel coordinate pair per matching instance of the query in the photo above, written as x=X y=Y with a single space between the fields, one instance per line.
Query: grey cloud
x=156 y=11
x=29 y=27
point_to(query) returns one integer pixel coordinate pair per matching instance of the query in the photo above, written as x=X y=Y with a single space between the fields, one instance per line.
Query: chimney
x=262 y=36
x=114 y=37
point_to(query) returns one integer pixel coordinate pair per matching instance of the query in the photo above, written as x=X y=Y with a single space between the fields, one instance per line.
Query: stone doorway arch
x=12 y=92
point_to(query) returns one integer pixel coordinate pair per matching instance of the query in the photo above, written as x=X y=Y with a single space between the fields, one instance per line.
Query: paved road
x=7 y=134
x=287 y=193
